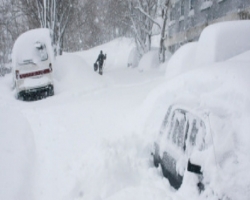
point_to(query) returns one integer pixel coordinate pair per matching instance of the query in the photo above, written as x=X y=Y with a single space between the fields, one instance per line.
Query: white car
x=32 y=61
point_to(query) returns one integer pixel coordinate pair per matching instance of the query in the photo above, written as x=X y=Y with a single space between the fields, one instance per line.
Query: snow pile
x=218 y=42
x=71 y=73
x=123 y=171
x=222 y=41
x=117 y=53
x=134 y=58
x=17 y=156
x=222 y=91
x=149 y=60
x=182 y=60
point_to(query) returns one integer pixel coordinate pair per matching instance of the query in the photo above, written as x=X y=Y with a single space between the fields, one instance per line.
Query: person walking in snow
x=101 y=59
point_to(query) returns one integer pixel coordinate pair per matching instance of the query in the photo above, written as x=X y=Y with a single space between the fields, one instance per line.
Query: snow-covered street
x=69 y=135
x=84 y=140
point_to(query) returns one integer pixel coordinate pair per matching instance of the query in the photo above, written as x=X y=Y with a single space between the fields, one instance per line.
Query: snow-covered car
x=182 y=132
x=201 y=141
x=32 y=61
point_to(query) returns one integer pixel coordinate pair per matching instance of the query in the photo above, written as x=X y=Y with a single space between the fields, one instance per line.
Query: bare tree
x=149 y=12
x=142 y=14
x=55 y=15
x=164 y=6
x=12 y=24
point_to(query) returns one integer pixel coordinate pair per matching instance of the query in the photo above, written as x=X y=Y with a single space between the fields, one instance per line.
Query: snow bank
x=133 y=58
x=117 y=53
x=182 y=60
x=17 y=156
x=222 y=90
x=123 y=171
x=149 y=60
x=222 y=41
x=71 y=72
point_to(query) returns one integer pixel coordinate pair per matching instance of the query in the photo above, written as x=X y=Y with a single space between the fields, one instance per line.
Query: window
x=206 y=4
x=194 y=132
x=178 y=129
x=182 y=8
x=172 y=15
x=191 y=4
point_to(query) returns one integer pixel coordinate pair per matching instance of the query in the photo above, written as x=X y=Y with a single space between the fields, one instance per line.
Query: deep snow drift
x=77 y=144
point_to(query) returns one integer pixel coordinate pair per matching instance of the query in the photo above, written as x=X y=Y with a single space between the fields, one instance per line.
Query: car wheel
x=20 y=97
x=156 y=156
x=51 y=91
x=156 y=160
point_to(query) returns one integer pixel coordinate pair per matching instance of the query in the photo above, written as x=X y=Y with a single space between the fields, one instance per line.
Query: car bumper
x=36 y=93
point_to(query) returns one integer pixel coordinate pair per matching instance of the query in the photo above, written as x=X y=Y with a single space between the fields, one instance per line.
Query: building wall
x=183 y=29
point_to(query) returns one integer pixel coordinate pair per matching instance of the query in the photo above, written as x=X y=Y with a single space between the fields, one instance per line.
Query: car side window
x=186 y=135
x=194 y=132
x=197 y=135
x=178 y=129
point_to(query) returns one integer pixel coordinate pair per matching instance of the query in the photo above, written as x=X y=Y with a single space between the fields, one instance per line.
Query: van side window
x=178 y=131
x=194 y=132
x=186 y=135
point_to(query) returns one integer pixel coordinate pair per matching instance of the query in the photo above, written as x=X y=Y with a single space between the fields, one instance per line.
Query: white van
x=32 y=61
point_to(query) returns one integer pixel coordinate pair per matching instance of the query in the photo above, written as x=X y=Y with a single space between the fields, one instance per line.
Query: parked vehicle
x=32 y=61
x=182 y=133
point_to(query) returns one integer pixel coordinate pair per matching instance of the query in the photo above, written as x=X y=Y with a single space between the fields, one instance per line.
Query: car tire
x=156 y=156
x=51 y=91
x=156 y=160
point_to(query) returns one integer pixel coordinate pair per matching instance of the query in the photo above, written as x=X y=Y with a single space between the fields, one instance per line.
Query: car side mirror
x=194 y=168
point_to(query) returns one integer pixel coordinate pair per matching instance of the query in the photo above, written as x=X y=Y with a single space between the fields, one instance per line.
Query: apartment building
x=187 y=18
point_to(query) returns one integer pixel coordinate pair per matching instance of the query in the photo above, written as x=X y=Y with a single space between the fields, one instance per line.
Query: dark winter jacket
x=101 y=58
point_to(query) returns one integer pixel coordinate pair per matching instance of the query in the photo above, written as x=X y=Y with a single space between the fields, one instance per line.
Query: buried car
x=202 y=139
x=182 y=132
x=32 y=61
x=200 y=117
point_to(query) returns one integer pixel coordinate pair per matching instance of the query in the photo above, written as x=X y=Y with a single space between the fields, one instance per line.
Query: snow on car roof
x=25 y=45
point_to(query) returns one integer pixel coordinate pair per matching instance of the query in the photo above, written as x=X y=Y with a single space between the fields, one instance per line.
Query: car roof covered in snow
x=25 y=44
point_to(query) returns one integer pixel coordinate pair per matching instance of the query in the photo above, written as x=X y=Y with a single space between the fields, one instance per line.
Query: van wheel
x=51 y=91
x=156 y=160
x=20 y=97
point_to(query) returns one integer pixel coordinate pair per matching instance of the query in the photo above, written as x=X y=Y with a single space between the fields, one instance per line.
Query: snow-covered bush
x=133 y=58
x=149 y=60
x=182 y=60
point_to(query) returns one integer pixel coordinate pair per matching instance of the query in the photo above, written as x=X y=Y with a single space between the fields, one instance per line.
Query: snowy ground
x=81 y=143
